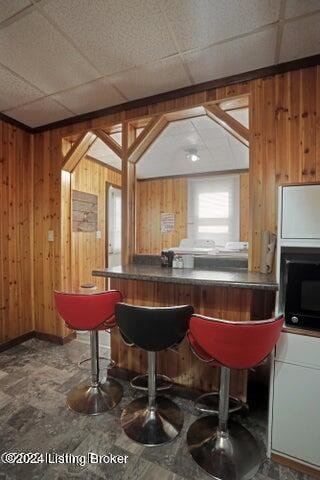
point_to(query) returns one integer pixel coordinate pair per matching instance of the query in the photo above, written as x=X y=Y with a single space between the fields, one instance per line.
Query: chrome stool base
x=233 y=455
x=209 y=403
x=152 y=426
x=93 y=400
x=140 y=382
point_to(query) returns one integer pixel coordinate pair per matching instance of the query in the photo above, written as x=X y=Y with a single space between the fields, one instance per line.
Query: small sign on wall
x=167 y=222
x=84 y=211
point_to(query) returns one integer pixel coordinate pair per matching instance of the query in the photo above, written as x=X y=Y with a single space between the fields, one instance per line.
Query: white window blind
x=213 y=208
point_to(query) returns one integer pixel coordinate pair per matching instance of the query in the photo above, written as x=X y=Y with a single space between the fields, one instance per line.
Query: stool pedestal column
x=152 y=420
x=97 y=396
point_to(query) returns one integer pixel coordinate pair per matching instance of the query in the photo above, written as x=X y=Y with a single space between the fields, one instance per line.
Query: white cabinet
x=301 y=212
x=295 y=426
x=296 y=418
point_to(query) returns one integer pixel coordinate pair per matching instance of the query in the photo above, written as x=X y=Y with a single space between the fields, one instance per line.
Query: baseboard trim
x=296 y=465
x=16 y=341
x=41 y=336
x=48 y=337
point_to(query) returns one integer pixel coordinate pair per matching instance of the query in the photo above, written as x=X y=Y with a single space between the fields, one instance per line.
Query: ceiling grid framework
x=62 y=59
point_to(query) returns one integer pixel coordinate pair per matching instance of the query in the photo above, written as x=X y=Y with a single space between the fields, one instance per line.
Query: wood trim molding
x=296 y=465
x=193 y=175
x=41 y=336
x=141 y=144
x=17 y=341
x=109 y=141
x=78 y=151
x=182 y=92
x=230 y=124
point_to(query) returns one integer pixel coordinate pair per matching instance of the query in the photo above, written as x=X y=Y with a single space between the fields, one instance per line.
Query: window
x=213 y=208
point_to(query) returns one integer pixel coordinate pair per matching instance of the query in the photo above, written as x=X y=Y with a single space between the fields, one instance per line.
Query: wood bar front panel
x=184 y=367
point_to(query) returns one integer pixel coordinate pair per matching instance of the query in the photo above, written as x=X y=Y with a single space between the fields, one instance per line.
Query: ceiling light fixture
x=192 y=154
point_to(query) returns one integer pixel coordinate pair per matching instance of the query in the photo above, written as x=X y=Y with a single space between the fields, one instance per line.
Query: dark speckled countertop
x=219 y=278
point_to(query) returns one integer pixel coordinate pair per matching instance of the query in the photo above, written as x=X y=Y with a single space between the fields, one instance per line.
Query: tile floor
x=34 y=380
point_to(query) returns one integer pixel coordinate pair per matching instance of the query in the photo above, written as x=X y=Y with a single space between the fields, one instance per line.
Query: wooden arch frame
x=133 y=146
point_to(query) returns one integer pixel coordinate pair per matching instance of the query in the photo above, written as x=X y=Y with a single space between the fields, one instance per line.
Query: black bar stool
x=152 y=420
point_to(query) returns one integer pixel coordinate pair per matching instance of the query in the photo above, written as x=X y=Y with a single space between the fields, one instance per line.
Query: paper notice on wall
x=167 y=222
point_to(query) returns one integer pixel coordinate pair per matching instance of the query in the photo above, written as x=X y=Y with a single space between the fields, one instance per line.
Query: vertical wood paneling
x=284 y=147
x=16 y=309
x=87 y=251
x=170 y=195
x=153 y=198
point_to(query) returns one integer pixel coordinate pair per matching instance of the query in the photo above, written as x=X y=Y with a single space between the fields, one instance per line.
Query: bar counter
x=187 y=276
x=227 y=294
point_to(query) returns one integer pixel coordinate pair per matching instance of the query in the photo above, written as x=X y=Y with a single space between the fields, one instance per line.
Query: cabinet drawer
x=298 y=349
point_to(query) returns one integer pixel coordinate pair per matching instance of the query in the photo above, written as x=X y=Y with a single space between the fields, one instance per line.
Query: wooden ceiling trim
x=109 y=141
x=78 y=151
x=140 y=145
x=230 y=124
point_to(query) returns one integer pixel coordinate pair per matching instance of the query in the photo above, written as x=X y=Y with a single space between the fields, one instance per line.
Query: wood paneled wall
x=153 y=198
x=88 y=251
x=170 y=195
x=284 y=147
x=16 y=279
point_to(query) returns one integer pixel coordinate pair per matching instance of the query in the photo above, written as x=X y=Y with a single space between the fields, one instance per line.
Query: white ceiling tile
x=14 y=91
x=100 y=151
x=300 y=7
x=115 y=34
x=203 y=22
x=162 y=76
x=301 y=38
x=237 y=56
x=12 y=7
x=89 y=97
x=40 y=112
x=36 y=51
x=167 y=155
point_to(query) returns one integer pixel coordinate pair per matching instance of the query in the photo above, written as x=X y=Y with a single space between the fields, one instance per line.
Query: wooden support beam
x=140 y=145
x=109 y=141
x=78 y=151
x=128 y=201
x=229 y=123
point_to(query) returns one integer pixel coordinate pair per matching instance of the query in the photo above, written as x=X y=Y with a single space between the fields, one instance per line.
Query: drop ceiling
x=217 y=149
x=62 y=58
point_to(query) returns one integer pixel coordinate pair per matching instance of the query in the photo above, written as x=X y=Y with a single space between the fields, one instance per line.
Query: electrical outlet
x=50 y=236
x=98 y=234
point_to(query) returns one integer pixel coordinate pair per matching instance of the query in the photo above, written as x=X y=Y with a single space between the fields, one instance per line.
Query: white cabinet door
x=301 y=212
x=296 y=412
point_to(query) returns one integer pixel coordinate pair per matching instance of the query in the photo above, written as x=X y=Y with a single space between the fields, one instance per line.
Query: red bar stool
x=222 y=447
x=93 y=312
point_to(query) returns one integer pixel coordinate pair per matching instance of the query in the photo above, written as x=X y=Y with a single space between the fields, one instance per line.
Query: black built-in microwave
x=302 y=294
